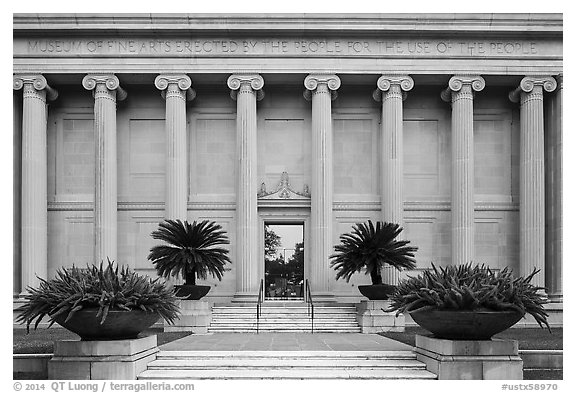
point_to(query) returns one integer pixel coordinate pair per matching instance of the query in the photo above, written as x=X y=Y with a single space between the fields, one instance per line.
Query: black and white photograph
x=271 y=197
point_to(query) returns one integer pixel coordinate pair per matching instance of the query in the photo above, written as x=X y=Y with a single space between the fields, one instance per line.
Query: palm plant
x=192 y=250
x=372 y=247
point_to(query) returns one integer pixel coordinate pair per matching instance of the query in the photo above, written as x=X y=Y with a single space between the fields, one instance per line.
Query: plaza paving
x=285 y=342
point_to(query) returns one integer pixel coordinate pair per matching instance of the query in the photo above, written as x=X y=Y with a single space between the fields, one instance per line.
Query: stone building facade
x=448 y=124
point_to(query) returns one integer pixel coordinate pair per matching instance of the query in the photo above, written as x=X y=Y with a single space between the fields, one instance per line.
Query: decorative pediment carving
x=283 y=190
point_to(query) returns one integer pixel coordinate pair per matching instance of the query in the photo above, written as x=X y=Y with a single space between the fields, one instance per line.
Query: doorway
x=283 y=261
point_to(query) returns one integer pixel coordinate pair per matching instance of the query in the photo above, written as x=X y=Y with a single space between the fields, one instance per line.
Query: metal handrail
x=310 y=304
x=259 y=304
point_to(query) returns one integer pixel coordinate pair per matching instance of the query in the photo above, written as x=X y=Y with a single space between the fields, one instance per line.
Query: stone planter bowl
x=191 y=292
x=465 y=325
x=119 y=324
x=377 y=292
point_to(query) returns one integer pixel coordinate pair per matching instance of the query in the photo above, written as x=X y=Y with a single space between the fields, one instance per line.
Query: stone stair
x=284 y=317
x=286 y=365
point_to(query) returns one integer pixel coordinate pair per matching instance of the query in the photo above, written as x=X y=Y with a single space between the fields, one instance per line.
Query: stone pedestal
x=478 y=360
x=195 y=317
x=372 y=318
x=118 y=359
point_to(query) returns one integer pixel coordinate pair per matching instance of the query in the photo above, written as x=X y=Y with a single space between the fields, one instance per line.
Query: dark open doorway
x=284 y=261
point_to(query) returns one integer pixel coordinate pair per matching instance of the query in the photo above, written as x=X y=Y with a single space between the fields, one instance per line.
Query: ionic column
x=176 y=89
x=532 y=224
x=460 y=92
x=17 y=193
x=392 y=91
x=106 y=91
x=553 y=198
x=34 y=221
x=246 y=90
x=321 y=89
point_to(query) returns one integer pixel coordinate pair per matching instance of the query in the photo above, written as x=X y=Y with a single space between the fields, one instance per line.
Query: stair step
x=323 y=354
x=236 y=330
x=256 y=363
x=284 y=320
x=316 y=373
x=281 y=309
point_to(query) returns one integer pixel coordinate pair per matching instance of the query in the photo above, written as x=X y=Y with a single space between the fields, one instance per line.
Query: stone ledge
x=494 y=347
x=31 y=363
x=104 y=348
x=121 y=359
x=542 y=359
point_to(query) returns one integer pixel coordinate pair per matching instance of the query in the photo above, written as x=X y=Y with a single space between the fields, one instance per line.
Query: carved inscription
x=320 y=47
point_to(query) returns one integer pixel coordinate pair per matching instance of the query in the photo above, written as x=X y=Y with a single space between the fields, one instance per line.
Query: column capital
x=39 y=82
x=111 y=81
x=455 y=84
x=560 y=80
x=331 y=81
x=255 y=81
x=385 y=83
x=528 y=83
x=184 y=83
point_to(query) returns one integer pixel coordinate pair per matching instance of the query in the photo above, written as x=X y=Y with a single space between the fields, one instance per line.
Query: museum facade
x=448 y=124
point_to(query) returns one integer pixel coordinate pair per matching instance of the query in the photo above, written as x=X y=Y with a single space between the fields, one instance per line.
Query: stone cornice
x=312 y=81
x=184 y=83
x=528 y=83
x=456 y=83
x=256 y=82
x=37 y=81
x=526 y=24
x=111 y=81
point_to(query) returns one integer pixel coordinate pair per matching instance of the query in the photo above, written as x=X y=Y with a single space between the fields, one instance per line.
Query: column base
x=114 y=359
x=470 y=360
x=245 y=297
x=323 y=297
x=372 y=318
x=195 y=317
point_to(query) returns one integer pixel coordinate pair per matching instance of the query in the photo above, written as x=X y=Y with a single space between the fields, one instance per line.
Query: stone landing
x=286 y=356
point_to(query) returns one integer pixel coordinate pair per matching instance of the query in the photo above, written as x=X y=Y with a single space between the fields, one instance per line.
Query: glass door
x=284 y=261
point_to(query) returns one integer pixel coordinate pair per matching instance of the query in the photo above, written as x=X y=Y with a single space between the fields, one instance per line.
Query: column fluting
x=554 y=199
x=246 y=90
x=106 y=91
x=176 y=89
x=532 y=213
x=321 y=89
x=460 y=92
x=34 y=219
x=392 y=91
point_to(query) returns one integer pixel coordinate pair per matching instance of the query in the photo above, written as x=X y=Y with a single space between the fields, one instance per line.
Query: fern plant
x=372 y=247
x=191 y=250
x=104 y=288
x=468 y=287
